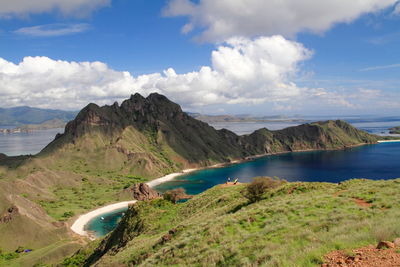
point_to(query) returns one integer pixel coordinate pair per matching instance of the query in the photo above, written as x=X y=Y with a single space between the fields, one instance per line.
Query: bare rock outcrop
x=144 y=192
x=9 y=214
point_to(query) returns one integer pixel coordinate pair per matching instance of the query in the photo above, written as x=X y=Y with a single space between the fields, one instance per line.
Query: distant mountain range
x=26 y=128
x=27 y=115
x=105 y=150
x=244 y=118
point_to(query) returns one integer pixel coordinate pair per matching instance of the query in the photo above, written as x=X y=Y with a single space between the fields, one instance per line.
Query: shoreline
x=79 y=224
x=388 y=141
x=169 y=177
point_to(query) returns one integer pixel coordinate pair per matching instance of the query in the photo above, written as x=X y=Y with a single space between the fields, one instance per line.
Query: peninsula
x=105 y=150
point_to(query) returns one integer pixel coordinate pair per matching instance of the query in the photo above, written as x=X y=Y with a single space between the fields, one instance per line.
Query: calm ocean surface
x=373 y=162
x=26 y=143
x=105 y=223
x=31 y=143
x=379 y=161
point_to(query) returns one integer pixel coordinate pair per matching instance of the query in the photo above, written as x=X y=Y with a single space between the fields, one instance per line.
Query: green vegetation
x=5 y=258
x=105 y=150
x=43 y=257
x=294 y=224
x=69 y=201
x=174 y=195
x=395 y=130
x=256 y=189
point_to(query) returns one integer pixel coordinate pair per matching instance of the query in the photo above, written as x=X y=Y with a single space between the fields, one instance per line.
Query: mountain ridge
x=106 y=150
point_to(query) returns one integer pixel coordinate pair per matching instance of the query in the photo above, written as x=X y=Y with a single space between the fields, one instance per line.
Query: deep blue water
x=379 y=161
x=33 y=142
x=105 y=223
x=373 y=162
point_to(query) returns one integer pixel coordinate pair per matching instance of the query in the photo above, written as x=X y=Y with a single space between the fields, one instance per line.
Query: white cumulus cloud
x=242 y=71
x=226 y=18
x=11 y=8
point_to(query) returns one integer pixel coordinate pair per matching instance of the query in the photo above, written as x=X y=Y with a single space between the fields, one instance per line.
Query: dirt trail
x=364 y=257
x=362 y=203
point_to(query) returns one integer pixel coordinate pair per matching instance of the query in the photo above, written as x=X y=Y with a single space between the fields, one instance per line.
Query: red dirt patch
x=338 y=193
x=228 y=184
x=291 y=190
x=364 y=257
x=362 y=203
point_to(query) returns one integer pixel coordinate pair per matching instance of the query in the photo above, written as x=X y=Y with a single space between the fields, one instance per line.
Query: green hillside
x=293 y=225
x=105 y=150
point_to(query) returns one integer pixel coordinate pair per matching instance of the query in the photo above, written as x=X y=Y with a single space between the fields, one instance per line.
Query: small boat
x=102 y=218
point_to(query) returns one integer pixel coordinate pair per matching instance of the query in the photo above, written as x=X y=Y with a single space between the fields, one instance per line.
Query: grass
x=293 y=225
x=45 y=256
x=92 y=192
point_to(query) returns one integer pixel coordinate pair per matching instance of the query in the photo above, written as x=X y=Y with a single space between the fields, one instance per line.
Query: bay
x=371 y=162
x=15 y=144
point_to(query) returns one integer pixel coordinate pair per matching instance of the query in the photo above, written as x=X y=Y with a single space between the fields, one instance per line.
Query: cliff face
x=162 y=136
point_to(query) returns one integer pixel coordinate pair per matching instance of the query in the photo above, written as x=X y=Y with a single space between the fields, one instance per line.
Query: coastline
x=388 y=141
x=78 y=226
x=169 y=177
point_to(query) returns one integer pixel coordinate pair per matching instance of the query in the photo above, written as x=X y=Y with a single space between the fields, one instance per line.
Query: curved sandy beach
x=79 y=225
x=168 y=177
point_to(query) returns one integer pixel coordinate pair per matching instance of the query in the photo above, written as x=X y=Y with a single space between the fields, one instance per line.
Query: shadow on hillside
x=13 y=162
x=239 y=207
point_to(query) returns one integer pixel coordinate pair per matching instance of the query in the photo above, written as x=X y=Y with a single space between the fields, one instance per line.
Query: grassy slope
x=75 y=177
x=219 y=228
x=68 y=182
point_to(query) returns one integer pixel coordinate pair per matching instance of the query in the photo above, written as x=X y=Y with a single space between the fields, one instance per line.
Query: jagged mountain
x=105 y=150
x=157 y=134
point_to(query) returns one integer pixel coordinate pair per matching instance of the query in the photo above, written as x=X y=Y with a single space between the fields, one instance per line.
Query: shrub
x=68 y=214
x=175 y=195
x=257 y=188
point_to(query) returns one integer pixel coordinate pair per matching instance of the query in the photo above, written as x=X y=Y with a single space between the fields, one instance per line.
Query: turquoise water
x=373 y=162
x=379 y=161
x=105 y=223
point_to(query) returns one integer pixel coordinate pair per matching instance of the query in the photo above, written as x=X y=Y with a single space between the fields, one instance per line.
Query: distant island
x=26 y=128
x=394 y=130
x=18 y=116
x=105 y=151
x=244 y=118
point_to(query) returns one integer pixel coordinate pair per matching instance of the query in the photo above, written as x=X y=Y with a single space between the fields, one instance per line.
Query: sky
x=309 y=57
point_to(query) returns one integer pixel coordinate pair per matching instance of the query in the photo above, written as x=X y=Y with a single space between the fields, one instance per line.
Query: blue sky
x=298 y=58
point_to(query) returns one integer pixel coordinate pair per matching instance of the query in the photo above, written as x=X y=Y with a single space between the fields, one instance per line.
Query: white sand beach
x=169 y=177
x=388 y=141
x=79 y=225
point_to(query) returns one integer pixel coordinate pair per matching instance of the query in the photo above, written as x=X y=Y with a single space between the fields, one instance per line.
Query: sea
x=15 y=144
x=380 y=161
x=31 y=143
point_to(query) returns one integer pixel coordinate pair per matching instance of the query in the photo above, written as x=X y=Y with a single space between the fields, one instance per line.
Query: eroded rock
x=9 y=214
x=385 y=244
x=144 y=192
